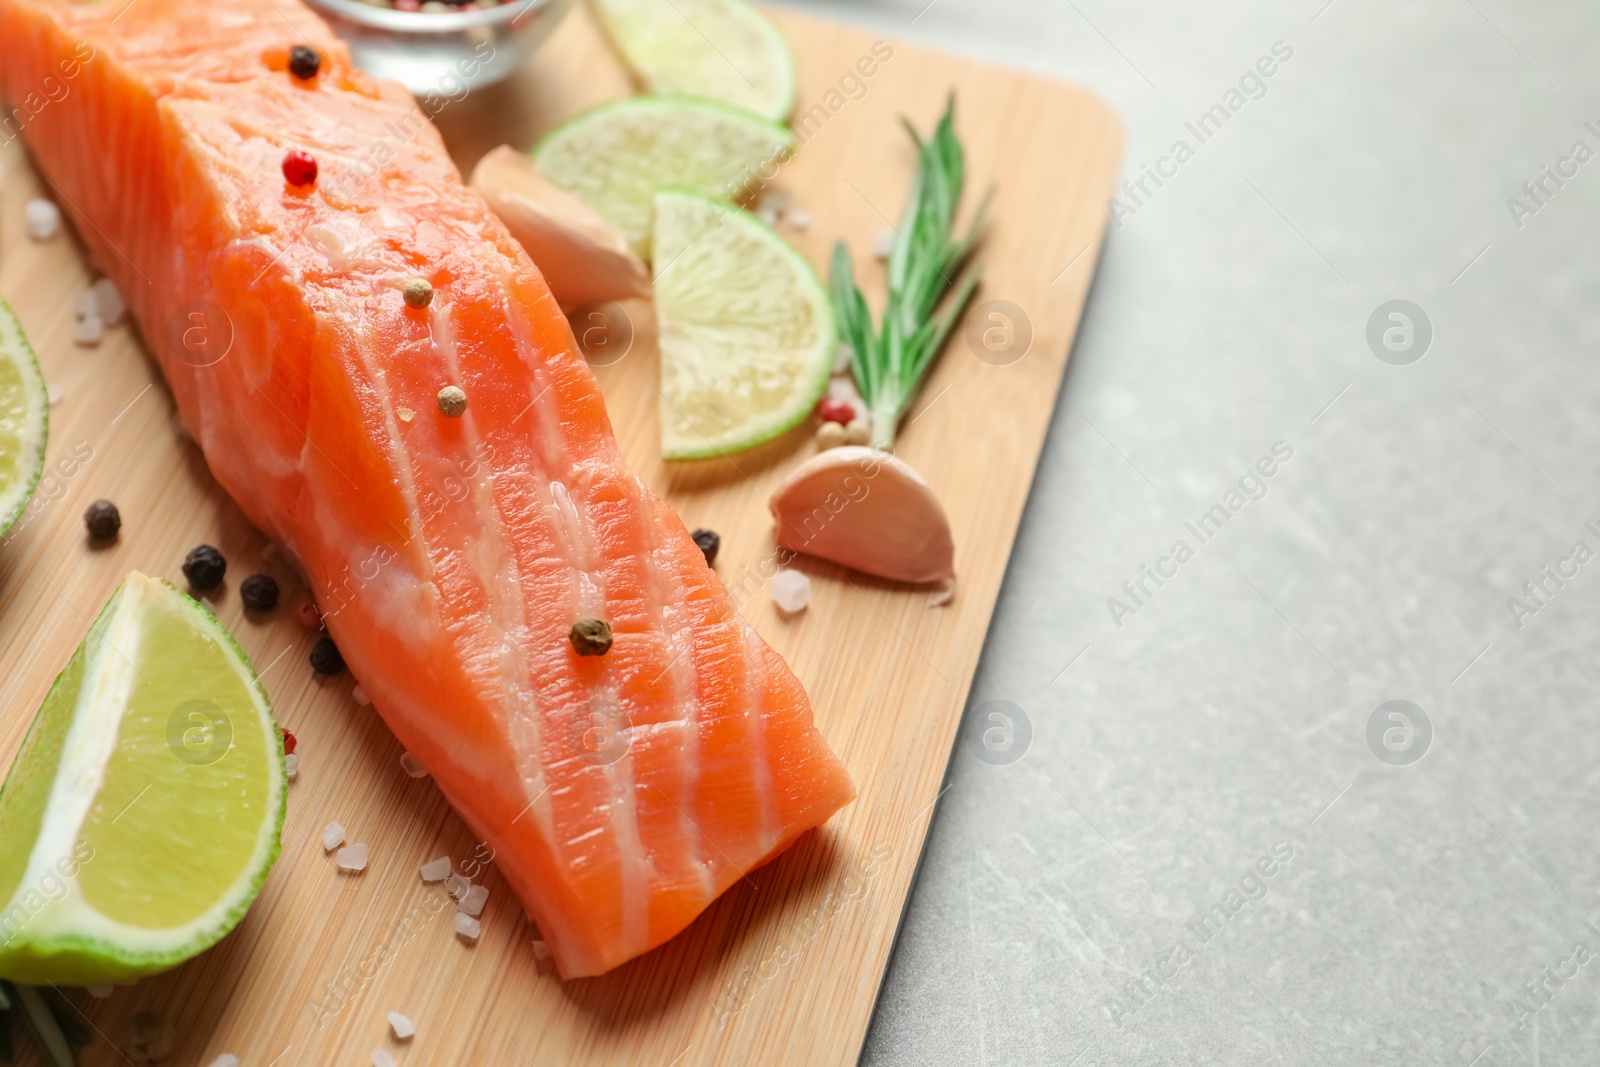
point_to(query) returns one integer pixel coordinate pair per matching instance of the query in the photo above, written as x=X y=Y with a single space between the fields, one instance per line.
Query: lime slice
x=24 y=419
x=746 y=329
x=146 y=805
x=617 y=156
x=722 y=49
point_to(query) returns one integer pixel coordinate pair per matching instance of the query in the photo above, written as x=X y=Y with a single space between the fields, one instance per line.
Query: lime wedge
x=146 y=805
x=617 y=156
x=721 y=49
x=24 y=419
x=746 y=329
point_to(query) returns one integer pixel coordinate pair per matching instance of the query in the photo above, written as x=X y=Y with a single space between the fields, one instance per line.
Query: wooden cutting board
x=784 y=968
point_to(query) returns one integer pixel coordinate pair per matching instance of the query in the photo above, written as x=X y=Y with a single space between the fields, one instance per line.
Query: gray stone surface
x=1229 y=712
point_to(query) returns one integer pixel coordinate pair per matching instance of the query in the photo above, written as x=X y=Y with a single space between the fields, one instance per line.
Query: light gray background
x=1229 y=713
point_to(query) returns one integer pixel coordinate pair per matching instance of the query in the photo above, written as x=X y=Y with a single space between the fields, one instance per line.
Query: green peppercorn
x=452 y=402
x=591 y=637
x=418 y=293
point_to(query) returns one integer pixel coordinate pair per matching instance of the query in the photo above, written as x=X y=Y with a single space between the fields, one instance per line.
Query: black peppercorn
x=709 y=542
x=204 y=567
x=103 y=520
x=591 y=637
x=304 y=62
x=325 y=658
x=259 y=592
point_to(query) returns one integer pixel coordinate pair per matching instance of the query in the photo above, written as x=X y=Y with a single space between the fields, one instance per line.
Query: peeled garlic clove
x=582 y=256
x=868 y=510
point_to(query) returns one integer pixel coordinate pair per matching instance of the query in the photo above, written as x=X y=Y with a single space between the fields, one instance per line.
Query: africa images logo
x=1399 y=732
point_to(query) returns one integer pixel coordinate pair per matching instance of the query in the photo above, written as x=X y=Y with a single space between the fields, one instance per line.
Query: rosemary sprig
x=889 y=365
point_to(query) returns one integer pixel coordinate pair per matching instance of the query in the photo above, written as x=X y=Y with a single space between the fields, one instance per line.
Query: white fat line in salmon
x=852 y=887
x=338 y=594
x=742 y=588
x=343 y=178
x=52 y=89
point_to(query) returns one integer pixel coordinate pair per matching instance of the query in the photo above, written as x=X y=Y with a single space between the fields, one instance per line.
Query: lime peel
x=141 y=850
x=747 y=332
x=617 y=156
x=24 y=419
x=721 y=49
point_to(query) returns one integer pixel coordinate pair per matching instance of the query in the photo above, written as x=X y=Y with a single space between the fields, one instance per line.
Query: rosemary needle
x=889 y=365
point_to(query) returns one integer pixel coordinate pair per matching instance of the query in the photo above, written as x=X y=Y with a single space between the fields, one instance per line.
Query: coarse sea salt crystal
x=100 y=992
x=361 y=697
x=473 y=901
x=380 y=1058
x=775 y=200
x=291 y=764
x=457 y=886
x=332 y=837
x=227 y=1059
x=412 y=765
x=406 y=414
x=768 y=216
x=88 y=330
x=435 y=870
x=791 y=591
x=883 y=243
x=353 y=858
x=541 y=951
x=44 y=219
x=844 y=388
x=108 y=301
x=53 y=394
x=402 y=1027
x=84 y=304
x=467 y=926
x=800 y=219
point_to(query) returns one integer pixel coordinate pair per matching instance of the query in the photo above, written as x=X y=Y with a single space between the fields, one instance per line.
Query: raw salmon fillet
x=621 y=793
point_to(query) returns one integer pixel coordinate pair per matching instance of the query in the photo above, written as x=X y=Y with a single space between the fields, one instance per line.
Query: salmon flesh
x=621 y=793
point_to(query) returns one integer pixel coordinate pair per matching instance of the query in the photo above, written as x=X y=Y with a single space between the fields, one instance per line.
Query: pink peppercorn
x=408 y=5
x=310 y=618
x=288 y=743
x=299 y=168
x=833 y=409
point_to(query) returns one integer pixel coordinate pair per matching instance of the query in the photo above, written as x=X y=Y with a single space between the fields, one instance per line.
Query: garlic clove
x=582 y=256
x=868 y=510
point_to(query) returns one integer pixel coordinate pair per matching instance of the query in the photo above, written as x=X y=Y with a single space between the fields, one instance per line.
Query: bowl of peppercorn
x=442 y=49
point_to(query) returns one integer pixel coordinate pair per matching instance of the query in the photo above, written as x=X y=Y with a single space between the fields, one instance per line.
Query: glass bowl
x=442 y=53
